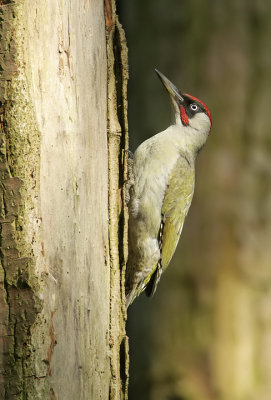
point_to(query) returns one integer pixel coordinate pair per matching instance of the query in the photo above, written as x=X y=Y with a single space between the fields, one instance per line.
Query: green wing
x=176 y=204
x=177 y=200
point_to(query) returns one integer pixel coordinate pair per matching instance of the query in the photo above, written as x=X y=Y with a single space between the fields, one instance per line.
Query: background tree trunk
x=206 y=334
x=61 y=312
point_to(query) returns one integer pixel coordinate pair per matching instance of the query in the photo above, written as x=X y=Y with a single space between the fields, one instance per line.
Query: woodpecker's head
x=190 y=112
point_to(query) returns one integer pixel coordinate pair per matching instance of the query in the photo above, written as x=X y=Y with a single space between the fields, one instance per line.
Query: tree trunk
x=206 y=334
x=61 y=297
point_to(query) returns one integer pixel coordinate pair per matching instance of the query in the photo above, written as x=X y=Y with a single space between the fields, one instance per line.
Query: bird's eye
x=194 y=107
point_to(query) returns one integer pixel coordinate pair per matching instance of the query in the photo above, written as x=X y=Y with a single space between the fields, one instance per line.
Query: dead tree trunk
x=62 y=242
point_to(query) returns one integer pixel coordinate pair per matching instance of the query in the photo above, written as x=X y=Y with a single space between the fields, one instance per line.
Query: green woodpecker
x=161 y=190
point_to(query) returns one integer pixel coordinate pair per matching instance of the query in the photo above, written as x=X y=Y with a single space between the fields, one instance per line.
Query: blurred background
x=206 y=334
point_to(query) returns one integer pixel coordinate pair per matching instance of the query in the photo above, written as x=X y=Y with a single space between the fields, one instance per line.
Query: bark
x=118 y=233
x=63 y=244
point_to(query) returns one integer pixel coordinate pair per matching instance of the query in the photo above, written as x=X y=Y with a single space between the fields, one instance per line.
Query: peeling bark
x=118 y=147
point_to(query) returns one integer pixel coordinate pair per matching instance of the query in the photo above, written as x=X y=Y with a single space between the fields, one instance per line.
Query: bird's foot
x=130 y=176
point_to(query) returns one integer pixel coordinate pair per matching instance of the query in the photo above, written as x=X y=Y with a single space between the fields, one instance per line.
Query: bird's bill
x=172 y=90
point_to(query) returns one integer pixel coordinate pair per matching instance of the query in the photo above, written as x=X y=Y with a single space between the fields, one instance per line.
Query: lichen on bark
x=19 y=168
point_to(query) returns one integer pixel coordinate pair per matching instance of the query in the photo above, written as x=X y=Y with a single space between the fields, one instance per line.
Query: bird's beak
x=172 y=90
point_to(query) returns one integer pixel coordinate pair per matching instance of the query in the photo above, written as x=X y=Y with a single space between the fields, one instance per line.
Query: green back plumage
x=177 y=200
x=176 y=204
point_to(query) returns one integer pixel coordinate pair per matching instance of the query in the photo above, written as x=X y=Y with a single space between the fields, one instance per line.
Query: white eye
x=194 y=107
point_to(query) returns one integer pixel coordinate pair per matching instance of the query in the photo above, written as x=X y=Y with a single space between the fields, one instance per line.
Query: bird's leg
x=130 y=176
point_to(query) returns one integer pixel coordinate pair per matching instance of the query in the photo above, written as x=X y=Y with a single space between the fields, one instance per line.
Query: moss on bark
x=19 y=166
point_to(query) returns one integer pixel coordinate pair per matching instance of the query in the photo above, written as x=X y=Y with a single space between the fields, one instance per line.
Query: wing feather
x=177 y=200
